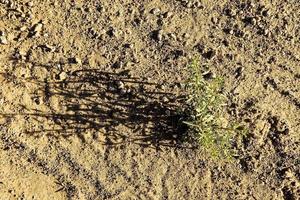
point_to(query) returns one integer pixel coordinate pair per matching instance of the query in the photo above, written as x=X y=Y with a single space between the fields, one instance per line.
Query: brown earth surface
x=90 y=92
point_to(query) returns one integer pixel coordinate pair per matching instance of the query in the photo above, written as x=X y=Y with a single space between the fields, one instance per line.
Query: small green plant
x=207 y=124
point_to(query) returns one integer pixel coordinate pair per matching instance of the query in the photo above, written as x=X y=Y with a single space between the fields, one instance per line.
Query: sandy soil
x=90 y=91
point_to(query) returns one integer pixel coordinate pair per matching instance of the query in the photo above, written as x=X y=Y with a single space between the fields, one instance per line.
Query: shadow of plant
x=121 y=107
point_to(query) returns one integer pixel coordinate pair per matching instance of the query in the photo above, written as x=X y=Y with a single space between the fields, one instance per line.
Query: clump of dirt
x=90 y=93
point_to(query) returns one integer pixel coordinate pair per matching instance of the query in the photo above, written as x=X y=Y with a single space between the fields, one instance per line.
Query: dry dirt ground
x=90 y=91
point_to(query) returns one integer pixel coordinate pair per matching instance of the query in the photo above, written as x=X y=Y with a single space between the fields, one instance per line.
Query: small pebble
x=120 y=85
x=173 y=36
x=3 y=40
x=186 y=35
x=181 y=85
x=129 y=91
x=30 y=4
x=214 y=20
x=239 y=71
x=266 y=32
x=198 y=5
x=229 y=31
x=128 y=46
x=155 y=11
x=167 y=14
x=112 y=32
x=209 y=75
x=49 y=48
x=63 y=76
x=165 y=99
x=23 y=28
x=232 y=12
x=38 y=100
x=253 y=21
x=189 y=4
x=74 y=60
x=38 y=27
x=78 y=60
x=22 y=52
x=159 y=35
x=162 y=87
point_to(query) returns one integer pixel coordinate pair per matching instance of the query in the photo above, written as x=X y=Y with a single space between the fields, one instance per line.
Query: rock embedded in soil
x=128 y=46
x=172 y=36
x=198 y=5
x=214 y=20
x=23 y=28
x=162 y=87
x=38 y=27
x=160 y=35
x=74 y=60
x=22 y=54
x=120 y=85
x=3 y=40
x=112 y=32
x=78 y=60
x=232 y=12
x=189 y=4
x=38 y=100
x=63 y=76
x=157 y=35
x=155 y=11
x=30 y=4
x=266 y=32
x=253 y=21
x=209 y=75
x=239 y=72
x=165 y=99
x=167 y=14
x=229 y=31
x=209 y=54
x=36 y=30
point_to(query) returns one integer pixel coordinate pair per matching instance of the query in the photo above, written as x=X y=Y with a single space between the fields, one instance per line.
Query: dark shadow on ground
x=118 y=106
